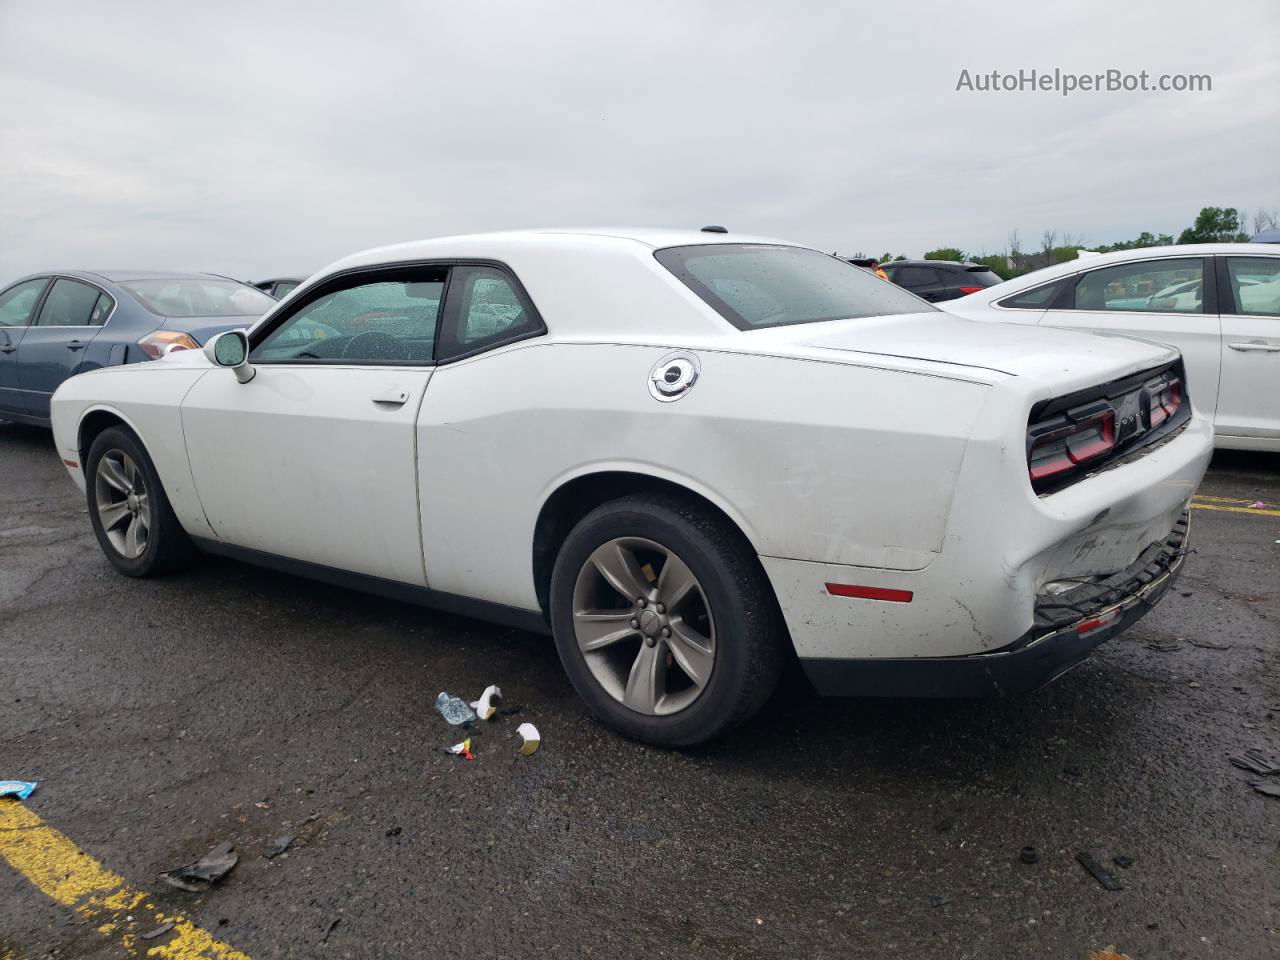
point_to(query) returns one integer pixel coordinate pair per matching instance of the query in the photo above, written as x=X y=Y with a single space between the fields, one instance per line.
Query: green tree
x=1144 y=239
x=998 y=263
x=1214 y=225
x=945 y=253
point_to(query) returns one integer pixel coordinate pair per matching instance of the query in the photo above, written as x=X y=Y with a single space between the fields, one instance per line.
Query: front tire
x=665 y=620
x=131 y=516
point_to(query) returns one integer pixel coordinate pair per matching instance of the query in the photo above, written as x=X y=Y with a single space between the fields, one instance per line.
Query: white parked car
x=684 y=454
x=1218 y=303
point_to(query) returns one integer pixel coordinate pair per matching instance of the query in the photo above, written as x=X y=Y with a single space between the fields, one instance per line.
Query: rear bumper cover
x=1067 y=628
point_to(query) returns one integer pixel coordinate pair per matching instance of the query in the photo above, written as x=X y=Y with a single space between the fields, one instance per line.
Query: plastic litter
x=1122 y=861
x=1257 y=505
x=454 y=709
x=462 y=749
x=17 y=788
x=1099 y=872
x=280 y=846
x=1028 y=855
x=1266 y=788
x=938 y=901
x=208 y=870
x=486 y=706
x=159 y=931
x=1255 y=761
x=530 y=737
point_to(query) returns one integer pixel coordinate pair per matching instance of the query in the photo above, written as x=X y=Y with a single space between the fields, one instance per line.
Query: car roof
x=119 y=276
x=583 y=238
x=934 y=263
x=1093 y=260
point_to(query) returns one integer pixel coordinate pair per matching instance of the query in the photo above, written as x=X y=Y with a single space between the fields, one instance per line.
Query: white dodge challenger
x=684 y=454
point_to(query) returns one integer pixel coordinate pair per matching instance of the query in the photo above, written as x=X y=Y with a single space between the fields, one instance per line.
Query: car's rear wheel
x=664 y=620
x=130 y=513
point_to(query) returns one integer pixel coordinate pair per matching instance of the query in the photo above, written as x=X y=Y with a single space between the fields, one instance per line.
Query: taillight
x=1166 y=398
x=1059 y=445
x=160 y=342
x=965 y=291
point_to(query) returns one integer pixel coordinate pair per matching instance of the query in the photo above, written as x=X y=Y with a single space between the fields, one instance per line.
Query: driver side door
x=313 y=459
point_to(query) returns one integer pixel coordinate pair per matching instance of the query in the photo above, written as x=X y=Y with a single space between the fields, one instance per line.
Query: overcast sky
x=256 y=139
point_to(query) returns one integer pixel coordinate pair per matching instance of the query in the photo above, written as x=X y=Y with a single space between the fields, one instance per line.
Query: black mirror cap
x=713 y=228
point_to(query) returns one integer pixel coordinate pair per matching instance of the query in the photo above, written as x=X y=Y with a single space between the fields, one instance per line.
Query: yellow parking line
x=1258 y=512
x=56 y=867
x=1201 y=496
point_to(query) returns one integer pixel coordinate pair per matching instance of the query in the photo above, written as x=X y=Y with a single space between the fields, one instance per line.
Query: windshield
x=755 y=285
x=199 y=297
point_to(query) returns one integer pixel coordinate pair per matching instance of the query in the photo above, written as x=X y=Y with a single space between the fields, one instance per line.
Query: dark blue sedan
x=54 y=325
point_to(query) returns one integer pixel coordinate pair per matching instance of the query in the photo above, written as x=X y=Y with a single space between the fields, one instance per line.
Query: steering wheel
x=374 y=345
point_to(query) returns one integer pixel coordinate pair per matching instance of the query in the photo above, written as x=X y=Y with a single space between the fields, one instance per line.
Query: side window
x=388 y=318
x=1152 y=286
x=284 y=289
x=1255 y=285
x=915 y=276
x=101 y=310
x=68 y=304
x=18 y=301
x=486 y=307
x=1037 y=298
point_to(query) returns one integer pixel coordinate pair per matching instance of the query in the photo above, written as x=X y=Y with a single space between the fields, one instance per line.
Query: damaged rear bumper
x=1067 y=627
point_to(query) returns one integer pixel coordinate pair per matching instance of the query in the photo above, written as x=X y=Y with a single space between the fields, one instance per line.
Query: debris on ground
x=1107 y=953
x=1072 y=770
x=159 y=931
x=943 y=825
x=1164 y=646
x=1255 y=761
x=1099 y=872
x=394 y=831
x=1122 y=861
x=1258 y=505
x=937 y=901
x=324 y=937
x=454 y=709
x=462 y=749
x=1209 y=644
x=280 y=845
x=17 y=788
x=1268 y=788
x=530 y=737
x=510 y=711
x=487 y=705
x=208 y=870
x=1028 y=855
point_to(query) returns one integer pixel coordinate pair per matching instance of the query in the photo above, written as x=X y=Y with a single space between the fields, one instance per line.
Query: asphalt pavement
x=231 y=703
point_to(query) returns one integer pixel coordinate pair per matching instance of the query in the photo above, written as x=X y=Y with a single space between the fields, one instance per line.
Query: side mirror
x=231 y=349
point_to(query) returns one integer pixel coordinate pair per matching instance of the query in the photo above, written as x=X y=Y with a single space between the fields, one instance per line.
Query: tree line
x=1212 y=225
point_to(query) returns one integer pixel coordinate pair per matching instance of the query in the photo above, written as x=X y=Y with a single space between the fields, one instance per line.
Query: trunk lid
x=1064 y=357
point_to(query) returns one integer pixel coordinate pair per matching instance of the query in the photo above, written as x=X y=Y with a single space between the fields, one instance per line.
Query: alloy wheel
x=123 y=504
x=644 y=626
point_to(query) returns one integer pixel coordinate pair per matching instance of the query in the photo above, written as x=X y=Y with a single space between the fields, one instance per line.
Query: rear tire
x=665 y=620
x=131 y=516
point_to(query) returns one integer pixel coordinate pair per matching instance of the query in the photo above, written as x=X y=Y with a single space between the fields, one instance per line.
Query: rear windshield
x=754 y=285
x=988 y=278
x=200 y=298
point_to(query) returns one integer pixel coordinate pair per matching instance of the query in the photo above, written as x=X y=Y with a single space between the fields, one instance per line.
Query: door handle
x=1254 y=347
x=77 y=344
x=392 y=398
x=8 y=348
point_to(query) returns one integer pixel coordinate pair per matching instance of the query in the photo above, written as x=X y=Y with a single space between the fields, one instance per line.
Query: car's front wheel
x=130 y=513
x=664 y=620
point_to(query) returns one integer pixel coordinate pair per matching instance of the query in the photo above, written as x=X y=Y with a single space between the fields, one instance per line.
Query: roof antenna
x=714 y=229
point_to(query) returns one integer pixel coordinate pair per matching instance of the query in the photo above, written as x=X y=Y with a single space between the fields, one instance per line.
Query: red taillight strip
x=965 y=291
x=869 y=593
x=71 y=463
